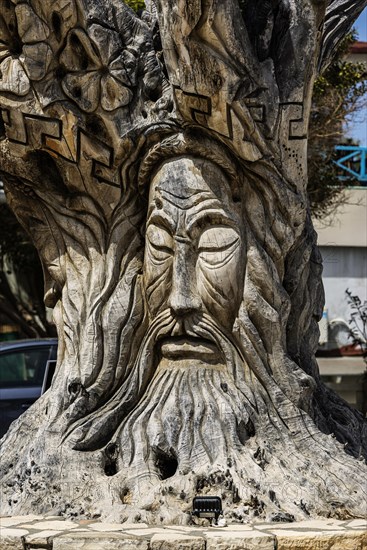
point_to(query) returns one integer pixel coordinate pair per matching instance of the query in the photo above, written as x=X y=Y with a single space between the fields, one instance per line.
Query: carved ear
x=340 y=16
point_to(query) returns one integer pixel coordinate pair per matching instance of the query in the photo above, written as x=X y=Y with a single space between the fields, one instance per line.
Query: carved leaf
x=13 y=77
x=84 y=89
x=31 y=28
x=78 y=54
x=113 y=94
x=36 y=59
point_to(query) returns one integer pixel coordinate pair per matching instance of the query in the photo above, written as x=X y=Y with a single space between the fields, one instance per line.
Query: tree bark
x=159 y=165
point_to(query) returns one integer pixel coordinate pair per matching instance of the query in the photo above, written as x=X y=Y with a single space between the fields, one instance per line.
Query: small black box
x=207 y=507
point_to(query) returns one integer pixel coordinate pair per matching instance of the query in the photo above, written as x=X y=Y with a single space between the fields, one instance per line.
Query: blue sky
x=361 y=26
x=357 y=129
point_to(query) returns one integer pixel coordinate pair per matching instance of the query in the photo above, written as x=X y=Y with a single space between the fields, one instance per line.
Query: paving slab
x=106 y=527
x=173 y=541
x=17 y=520
x=98 y=541
x=332 y=541
x=59 y=525
x=231 y=528
x=56 y=533
x=357 y=524
x=239 y=540
x=41 y=538
x=11 y=539
x=148 y=532
x=313 y=524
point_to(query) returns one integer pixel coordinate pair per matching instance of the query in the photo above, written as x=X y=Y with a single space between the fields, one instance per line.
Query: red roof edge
x=358 y=47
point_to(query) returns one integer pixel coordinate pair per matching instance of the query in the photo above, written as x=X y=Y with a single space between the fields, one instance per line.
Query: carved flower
x=99 y=70
x=24 y=54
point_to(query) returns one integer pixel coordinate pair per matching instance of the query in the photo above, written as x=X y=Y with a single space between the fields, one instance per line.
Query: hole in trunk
x=245 y=431
x=111 y=454
x=166 y=464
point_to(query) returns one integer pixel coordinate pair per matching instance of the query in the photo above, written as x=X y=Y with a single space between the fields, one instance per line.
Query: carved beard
x=191 y=412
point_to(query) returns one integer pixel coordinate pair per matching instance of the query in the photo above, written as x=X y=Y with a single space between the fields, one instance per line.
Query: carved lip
x=186 y=347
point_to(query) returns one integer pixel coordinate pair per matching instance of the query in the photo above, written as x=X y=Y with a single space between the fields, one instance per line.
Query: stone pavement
x=55 y=533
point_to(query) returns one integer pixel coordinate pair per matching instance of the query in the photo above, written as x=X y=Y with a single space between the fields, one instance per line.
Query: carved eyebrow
x=205 y=219
x=161 y=218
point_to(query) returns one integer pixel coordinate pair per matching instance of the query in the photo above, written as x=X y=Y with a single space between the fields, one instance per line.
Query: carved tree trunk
x=159 y=165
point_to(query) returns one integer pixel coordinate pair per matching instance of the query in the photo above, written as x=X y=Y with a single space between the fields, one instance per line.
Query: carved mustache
x=201 y=326
x=197 y=325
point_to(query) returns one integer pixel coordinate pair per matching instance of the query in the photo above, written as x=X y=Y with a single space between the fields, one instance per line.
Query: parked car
x=26 y=369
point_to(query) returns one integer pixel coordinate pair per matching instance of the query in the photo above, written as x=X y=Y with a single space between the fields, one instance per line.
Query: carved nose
x=181 y=306
x=183 y=299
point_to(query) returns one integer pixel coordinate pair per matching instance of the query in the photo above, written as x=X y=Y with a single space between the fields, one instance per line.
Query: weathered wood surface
x=159 y=165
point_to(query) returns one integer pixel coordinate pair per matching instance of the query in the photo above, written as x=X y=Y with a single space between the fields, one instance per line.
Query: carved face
x=190 y=363
x=194 y=256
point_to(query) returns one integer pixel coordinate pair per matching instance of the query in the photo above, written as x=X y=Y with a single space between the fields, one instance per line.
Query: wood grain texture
x=159 y=165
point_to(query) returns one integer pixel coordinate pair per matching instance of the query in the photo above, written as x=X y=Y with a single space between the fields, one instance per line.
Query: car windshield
x=23 y=368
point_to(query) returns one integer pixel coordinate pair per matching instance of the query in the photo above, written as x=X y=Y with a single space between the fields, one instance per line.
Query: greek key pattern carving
x=297 y=124
x=230 y=120
x=93 y=156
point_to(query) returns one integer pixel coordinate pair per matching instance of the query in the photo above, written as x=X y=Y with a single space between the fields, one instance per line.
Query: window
x=23 y=367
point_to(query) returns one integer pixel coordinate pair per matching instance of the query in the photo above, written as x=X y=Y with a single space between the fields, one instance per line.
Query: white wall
x=343 y=240
x=348 y=226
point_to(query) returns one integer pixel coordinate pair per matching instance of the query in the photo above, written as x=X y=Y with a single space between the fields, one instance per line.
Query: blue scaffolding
x=353 y=162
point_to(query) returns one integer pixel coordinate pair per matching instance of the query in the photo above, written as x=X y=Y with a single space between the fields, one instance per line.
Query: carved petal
x=84 y=89
x=31 y=28
x=37 y=59
x=14 y=78
x=107 y=42
x=114 y=94
x=120 y=74
x=78 y=54
x=61 y=15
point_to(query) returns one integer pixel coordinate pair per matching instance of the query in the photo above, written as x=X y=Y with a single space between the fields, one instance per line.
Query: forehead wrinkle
x=185 y=202
x=187 y=191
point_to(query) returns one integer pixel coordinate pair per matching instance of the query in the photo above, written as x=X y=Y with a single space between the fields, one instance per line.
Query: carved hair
x=188 y=143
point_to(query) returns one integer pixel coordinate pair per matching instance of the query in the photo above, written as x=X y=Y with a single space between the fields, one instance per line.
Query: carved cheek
x=220 y=280
x=221 y=289
x=157 y=270
x=157 y=277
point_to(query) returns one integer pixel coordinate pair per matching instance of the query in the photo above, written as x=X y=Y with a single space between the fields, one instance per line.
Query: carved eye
x=217 y=245
x=160 y=243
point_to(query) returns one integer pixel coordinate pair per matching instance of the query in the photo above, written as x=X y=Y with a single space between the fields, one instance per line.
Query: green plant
x=338 y=93
x=136 y=5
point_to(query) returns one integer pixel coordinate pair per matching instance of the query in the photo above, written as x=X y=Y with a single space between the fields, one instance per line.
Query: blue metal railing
x=353 y=162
